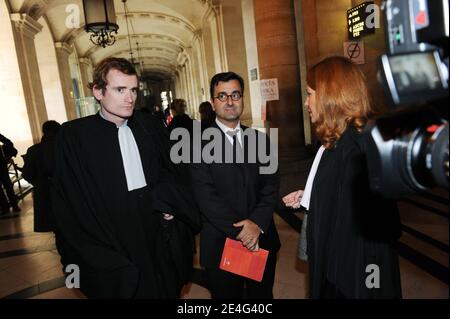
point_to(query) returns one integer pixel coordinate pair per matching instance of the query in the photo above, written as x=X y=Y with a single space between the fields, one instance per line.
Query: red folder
x=237 y=259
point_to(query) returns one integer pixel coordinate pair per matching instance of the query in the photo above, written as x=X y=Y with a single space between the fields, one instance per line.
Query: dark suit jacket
x=230 y=192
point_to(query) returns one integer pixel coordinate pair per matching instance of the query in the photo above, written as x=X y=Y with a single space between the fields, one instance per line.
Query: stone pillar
x=24 y=29
x=184 y=89
x=63 y=50
x=201 y=69
x=84 y=71
x=193 y=103
x=278 y=58
x=217 y=32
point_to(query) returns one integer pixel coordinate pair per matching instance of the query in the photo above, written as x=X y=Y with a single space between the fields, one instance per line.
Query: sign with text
x=358 y=20
x=269 y=89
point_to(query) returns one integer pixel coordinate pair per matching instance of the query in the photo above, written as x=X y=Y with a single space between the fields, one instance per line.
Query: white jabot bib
x=131 y=159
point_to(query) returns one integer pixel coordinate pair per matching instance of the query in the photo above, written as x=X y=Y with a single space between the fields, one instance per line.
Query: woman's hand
x=167 y=216
x=293 y=199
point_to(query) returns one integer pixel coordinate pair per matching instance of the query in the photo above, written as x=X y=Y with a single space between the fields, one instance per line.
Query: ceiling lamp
x=100 y=21
x=136 y=64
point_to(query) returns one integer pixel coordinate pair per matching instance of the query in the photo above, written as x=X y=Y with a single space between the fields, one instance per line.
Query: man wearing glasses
x=235 y=200
x=120 y=213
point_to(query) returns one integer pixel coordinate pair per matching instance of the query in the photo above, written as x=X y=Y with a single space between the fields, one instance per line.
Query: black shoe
x=16 y=209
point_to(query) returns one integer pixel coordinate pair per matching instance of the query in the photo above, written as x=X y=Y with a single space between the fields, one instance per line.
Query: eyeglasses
x=223 y=97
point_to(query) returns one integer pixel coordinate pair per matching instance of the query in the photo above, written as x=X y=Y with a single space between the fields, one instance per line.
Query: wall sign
x=269 y=89
x=360 y=20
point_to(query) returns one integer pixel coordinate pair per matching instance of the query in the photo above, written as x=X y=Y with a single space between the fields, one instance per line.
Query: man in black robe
x=121 y=216
x=39 y=163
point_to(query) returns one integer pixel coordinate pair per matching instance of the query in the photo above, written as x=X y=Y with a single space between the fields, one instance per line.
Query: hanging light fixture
x=136 y=64
x=100 y=21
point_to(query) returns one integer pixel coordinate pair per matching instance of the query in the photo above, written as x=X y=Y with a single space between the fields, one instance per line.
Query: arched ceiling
x=163 y=29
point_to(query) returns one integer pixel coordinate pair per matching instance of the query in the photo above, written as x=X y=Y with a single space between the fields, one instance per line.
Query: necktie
x=237 y=147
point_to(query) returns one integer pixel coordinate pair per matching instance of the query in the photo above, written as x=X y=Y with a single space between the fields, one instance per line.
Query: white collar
x=103 y=116
x=309 y=182
x=225 y=128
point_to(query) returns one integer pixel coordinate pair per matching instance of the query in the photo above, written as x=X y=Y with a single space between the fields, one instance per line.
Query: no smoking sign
x=354 y=51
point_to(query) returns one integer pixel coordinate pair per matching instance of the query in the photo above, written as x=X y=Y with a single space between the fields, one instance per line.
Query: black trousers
x=5 y=181
x=226 y=285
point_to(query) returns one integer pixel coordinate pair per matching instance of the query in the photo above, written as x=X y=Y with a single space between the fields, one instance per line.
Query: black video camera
x=407 y=148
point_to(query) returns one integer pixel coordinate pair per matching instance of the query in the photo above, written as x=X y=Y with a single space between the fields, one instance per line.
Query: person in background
x=169 y=114
x=180 y=118
x=159 y=114
x=39 y=163
x=7 y=152
x=207 y=114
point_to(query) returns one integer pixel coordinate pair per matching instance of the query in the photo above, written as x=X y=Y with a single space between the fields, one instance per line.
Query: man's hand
x=249 y=235
x=293 y=199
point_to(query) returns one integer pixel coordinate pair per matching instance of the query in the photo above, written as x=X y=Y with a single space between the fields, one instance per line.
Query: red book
x=237 y=259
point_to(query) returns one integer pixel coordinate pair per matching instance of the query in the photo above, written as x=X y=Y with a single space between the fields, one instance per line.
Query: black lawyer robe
x=120 y=241
x=350 y=228
x=39 y=163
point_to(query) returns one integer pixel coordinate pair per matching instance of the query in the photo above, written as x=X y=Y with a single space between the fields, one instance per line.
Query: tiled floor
x=30 y=268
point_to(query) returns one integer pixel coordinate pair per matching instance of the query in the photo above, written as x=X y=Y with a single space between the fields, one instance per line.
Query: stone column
x=24 y=29
x=193 y=103
x=63 y=50
x=184 y=88
x=278 y=58
x=84 y=72
x=217 y=31
x=202 y=72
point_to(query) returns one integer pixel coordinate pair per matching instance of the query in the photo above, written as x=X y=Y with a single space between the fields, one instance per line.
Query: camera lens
x=439 y=156
x=408 y=153
x=423 y=157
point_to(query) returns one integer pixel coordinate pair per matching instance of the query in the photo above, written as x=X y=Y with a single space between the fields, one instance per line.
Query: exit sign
x=360 y=20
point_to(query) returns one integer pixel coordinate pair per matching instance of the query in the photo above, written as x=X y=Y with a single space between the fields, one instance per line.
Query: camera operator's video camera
x=408 y=147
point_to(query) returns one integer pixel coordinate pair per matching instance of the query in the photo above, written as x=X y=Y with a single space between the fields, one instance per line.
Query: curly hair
x=342 y=98
x=102 y=69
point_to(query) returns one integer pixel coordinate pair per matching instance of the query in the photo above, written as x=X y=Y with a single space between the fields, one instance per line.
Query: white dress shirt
x=309 y=182
x=226 y=129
